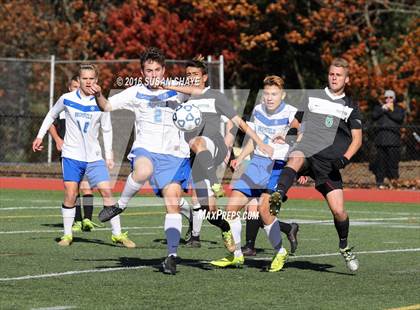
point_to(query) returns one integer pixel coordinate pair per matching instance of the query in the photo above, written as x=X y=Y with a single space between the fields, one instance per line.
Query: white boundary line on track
x=74 y=272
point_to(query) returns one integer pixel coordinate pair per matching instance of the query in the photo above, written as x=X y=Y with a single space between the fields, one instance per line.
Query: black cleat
x=108 y=213
x=275 y=203
x=194 y=242
x=292 y=236
x=169 y=265
x=248 y=251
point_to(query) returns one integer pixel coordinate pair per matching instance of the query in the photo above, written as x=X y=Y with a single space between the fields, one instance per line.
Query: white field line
x=55 y=308
x=74 y=272
x=310 y=222
x=150 y=203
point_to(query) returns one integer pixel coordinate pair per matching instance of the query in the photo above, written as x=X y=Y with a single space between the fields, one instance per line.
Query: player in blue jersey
x=272 y=118
x=81 y=152
x=159 y=153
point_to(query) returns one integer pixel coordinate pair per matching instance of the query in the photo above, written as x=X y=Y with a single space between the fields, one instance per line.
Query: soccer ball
x=187 y=117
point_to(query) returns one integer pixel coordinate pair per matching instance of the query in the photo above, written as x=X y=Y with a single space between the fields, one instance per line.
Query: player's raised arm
x=185 y=89
x=251 y=133
x=102 y=102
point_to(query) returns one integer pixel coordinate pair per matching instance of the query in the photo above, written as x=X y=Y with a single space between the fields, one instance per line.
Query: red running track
x=307 y=193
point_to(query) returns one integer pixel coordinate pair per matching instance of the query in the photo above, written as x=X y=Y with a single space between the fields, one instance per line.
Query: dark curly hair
x=152 y=54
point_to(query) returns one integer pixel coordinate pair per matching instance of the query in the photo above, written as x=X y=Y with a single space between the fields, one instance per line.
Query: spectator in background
x=389 y=117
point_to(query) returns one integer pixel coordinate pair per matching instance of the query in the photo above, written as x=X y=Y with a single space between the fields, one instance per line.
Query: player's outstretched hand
x=235 y=163
x=340 y=163
x=37 y=145
x=279 y=139
x=302 y=180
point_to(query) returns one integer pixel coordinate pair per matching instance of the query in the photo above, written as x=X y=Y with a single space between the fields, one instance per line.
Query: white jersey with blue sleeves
x=267 y=125
x=83 y=119
x=155 y=130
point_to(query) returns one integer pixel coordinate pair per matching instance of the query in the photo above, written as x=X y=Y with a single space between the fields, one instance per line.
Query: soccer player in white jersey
x=159 y=153
x=208 y=145
x=57 y=132
x=270 y=119
x=81 y=152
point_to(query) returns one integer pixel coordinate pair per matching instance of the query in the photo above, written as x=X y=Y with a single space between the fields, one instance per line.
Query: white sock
x=236 y=228
x=185 y=208
x=131 y=188
x=115 y=225
x=198 y=217
x=68 y=219
x=173 y=226
x=274 y=235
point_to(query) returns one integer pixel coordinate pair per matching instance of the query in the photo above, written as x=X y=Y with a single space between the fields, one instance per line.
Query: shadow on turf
x=154 y=263
x=96 y=241
x=53 y=225
x=182 y=241
x=304 y=265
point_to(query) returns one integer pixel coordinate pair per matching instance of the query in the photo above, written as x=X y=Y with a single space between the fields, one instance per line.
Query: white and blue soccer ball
x=187 y=117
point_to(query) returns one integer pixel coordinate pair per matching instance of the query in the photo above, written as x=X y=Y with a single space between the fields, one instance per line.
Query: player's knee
x=296 y=162
x=339 y=214
x=141 y=174
x=198 y=145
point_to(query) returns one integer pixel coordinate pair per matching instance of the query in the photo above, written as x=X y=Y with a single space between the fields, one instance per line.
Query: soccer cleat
x=230 y=260
x=248 y=251
x=108 y=213
x=275 y=203
x=352 y=262
x=77 y=226
x=123 y=239
x=169 y=265
x=228 y=241
x=66 y=240
x=217 y=189
x=278 y=261
x=292 y=236
x=194 y=242
x=88 y=225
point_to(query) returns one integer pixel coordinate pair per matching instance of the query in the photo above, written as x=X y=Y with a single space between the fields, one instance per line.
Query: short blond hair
x=341 y=62
x=274 y=80
x=88 y=67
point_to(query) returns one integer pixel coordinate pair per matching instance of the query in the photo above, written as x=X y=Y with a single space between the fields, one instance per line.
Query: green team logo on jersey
x=329 y=121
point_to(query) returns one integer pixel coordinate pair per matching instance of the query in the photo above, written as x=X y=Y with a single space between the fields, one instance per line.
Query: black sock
x=87 y=206
x=78 y=215
x=206 y=162
x=218 y=221
x=342 y=228
x=285 y=227
x=286 y=179
x=252 y=228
